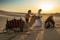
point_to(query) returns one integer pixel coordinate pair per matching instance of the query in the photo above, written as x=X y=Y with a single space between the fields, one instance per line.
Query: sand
x=35 y=33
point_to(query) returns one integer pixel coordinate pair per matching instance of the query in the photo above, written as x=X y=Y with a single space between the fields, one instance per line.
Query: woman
x=39 y=23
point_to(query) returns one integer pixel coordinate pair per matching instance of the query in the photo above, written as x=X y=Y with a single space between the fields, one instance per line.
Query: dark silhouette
x=27 y=16
x=15 y=24
x=49 y=23
x=32 y=20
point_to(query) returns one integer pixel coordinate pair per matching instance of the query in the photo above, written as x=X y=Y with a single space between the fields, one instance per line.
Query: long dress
x=39 y=22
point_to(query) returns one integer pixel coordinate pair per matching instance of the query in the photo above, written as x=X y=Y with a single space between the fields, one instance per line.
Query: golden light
x=46 y=7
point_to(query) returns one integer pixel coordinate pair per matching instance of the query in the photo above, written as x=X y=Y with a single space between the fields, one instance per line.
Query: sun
x=46 y=7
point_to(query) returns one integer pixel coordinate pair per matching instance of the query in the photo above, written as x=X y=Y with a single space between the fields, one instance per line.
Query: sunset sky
x=47 y=6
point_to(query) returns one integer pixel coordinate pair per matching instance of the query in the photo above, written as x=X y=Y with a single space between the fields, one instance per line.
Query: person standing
x=39 y=22
x=27 y=16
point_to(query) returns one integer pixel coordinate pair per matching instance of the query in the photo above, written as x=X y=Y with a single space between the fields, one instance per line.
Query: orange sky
x=24 y=5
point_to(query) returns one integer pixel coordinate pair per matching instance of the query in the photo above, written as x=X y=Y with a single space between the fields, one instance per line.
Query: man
x=27 y=16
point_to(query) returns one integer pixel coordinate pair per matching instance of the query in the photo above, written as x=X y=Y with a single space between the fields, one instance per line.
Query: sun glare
x=46 y=7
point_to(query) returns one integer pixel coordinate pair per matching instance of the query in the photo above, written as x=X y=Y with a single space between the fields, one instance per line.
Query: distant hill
x=11 y=13
x=57 y=14
x=19 y=14
x=1 y=11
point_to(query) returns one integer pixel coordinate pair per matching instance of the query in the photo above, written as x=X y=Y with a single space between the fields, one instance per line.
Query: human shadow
x=51 y=34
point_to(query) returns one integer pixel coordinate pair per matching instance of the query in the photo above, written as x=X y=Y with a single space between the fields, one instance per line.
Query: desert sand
x=35 y=33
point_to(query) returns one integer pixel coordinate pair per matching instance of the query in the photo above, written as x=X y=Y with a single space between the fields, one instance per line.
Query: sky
x=47 y=6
